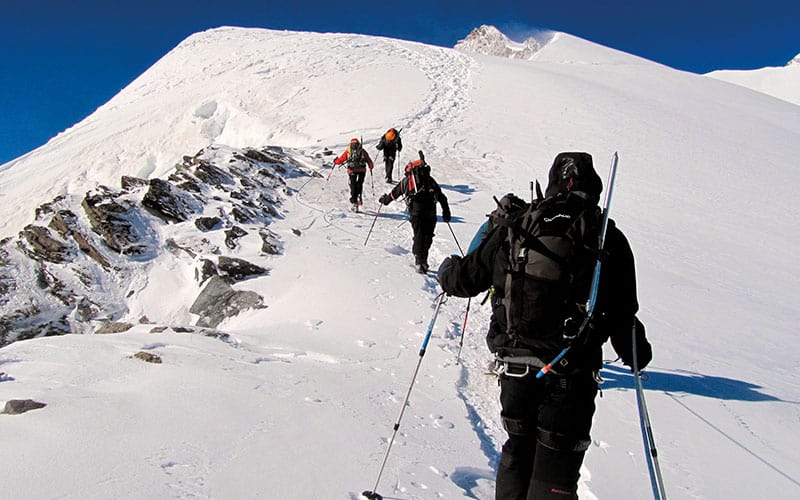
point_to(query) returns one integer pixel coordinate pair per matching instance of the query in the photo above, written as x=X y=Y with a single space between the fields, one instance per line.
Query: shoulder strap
x=521 y=227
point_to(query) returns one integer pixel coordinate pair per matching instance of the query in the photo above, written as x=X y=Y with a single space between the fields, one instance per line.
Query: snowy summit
x=490 y=41
x=189 y=309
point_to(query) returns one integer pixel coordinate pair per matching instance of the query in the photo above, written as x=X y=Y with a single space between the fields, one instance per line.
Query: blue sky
x=60 y=60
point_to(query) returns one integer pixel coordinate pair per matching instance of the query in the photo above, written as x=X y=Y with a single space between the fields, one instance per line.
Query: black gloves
x=385 y=199
x=446 y=216
x=624 y=346
x=443 y=267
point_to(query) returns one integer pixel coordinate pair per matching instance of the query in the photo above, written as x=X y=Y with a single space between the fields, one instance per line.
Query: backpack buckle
x=571 y=328
x=503 y=367
x=515 y=366
x=521 y=255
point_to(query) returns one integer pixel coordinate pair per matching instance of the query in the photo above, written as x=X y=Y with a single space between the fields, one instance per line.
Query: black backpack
x=552 y=250
x=356 y=155
x=509 y=208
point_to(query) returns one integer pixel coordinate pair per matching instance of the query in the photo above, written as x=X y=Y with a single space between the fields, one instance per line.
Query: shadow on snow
x=681 y=381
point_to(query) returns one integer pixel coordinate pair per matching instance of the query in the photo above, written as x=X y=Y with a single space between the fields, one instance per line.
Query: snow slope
x=781 y=82
x=299 y=401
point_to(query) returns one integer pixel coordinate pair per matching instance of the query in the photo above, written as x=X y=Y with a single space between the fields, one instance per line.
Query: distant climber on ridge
x=390 y=144
x=357 y=160
x=421 y=192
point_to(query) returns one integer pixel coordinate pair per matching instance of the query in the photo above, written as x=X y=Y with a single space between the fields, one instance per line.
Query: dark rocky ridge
x=70 y=270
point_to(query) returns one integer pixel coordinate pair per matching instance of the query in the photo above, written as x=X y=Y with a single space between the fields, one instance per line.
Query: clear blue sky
x=61 y=59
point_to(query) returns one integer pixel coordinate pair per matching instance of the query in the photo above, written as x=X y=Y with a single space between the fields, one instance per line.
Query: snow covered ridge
x=490 y=41
x=75 y=268
x=781 y=82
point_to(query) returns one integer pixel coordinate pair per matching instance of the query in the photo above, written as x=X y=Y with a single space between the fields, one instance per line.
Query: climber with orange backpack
x=357 y=160
x=390 y=144
x=421 y=192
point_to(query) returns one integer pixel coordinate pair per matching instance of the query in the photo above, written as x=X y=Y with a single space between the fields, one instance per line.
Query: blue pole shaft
x=410 y=387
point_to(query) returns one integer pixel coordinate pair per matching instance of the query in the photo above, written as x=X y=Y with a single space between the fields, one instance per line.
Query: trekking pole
x=656 y=481
x=327 y=178
x=372 y=494
x=333 y=167
x=380 y=153
x=456 y=239
x=373 y=223
x=372 y=180
x=469 y=302
x=463 y=329
x=592 y=301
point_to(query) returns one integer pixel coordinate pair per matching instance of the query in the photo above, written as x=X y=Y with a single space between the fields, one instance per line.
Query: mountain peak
x=796 y=60
x=489 y=40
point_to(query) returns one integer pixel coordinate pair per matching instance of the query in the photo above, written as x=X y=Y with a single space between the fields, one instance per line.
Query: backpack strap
x=529 y=241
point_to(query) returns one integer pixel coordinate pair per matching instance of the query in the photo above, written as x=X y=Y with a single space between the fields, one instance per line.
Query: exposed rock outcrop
x=490 y=41
x=149 y=357
x=43 y=246
x=219 y=301
x=19 y=406
x=116 y=220
x=82 y=260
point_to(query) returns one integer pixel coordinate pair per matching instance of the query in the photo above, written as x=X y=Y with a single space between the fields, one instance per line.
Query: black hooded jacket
x=487 y=265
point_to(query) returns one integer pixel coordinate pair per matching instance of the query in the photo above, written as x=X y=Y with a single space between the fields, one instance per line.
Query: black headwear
x=573 y=172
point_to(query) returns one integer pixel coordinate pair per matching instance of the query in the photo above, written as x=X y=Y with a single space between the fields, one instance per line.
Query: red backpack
x=416 y=172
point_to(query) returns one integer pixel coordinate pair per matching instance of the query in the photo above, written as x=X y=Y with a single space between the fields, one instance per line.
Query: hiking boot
x=354 y=208
x=422 y=269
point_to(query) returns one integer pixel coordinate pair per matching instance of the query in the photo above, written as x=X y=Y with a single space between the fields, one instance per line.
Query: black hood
x=573 y=172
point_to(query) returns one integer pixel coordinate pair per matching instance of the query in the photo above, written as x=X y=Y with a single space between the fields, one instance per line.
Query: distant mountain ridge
x=491 y=41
